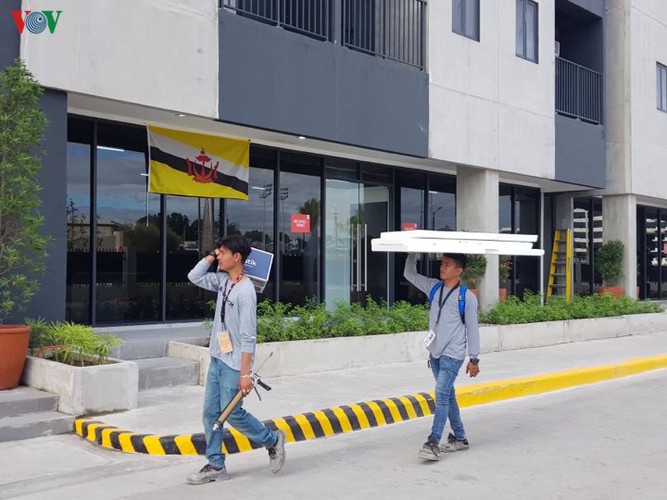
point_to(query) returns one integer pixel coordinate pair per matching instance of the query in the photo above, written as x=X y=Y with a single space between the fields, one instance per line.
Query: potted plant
x=474 y=271
x=609 y=264
x=504 y=266
x=22 y=247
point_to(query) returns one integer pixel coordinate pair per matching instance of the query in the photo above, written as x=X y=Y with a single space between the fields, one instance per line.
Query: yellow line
x=377 y=411
x=282 y=424
x=241 y=441
x=324 y=422
x=106 y=437
x=185 y=444
x=393 y=409
x=125 y=443
x=305 y=426
x=91 y=431
x=423 y=403
x=153 y=445
x=342 y=418
x=408 y=407
x=361 y=416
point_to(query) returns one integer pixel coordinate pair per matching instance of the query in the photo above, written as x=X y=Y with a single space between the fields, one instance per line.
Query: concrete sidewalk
x=177 y=410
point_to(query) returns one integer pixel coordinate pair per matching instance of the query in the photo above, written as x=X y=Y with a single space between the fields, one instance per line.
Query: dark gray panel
x=9 y=35
x=580 y=152
x=49 y=302
x=274 y=79
x=593 y=6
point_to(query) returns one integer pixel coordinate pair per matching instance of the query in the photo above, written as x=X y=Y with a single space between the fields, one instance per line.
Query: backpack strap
x=434 y=290
x=462 y=302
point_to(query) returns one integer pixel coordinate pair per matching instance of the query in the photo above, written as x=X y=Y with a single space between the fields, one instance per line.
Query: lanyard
x=441 y=303
x=225 y=297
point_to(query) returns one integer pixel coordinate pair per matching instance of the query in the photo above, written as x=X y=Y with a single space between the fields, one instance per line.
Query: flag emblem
x=191 y=164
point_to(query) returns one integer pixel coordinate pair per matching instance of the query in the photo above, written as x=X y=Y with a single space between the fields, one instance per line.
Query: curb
x=364 y=415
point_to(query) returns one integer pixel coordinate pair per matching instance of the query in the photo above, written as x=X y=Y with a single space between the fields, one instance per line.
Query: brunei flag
x=189 y=164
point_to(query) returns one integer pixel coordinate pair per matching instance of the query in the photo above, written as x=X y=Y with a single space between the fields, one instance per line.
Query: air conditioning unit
x=557 y=49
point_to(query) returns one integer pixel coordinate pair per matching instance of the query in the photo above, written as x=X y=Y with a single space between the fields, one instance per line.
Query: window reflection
x=128 y=236
x=78 y=229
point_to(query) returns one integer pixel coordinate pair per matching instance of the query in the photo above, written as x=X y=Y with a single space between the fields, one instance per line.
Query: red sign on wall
x=300 y=223
x=409 y=226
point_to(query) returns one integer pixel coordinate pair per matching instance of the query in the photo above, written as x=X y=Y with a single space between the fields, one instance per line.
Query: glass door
x=356 y=213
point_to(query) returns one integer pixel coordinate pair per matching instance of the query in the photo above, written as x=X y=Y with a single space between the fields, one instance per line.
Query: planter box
x=308 y=356
x=85 y=390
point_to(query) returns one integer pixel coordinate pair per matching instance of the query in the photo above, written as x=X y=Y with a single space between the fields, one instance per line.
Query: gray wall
x=49 y=302
x=594 y=6
x=274 y=79
x=580 y=152
x=9 y=35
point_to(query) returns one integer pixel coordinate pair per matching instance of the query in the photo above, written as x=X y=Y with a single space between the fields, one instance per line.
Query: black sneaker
x=454 y=444
x=277 y=453
x=207 y=474
x=429 y=451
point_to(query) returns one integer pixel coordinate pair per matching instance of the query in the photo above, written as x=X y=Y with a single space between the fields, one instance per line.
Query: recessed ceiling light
x=181 y=115
x=301 y=137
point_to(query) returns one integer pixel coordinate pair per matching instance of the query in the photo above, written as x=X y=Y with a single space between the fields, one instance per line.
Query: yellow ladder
x=560 y=272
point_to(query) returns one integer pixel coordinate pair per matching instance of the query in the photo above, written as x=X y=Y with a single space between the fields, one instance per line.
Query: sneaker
x=277 y=453
x=207 y=474
x=454 y=444
x=429 y=451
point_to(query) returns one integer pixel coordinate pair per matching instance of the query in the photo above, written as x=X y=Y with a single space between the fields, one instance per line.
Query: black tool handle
x=264 y=386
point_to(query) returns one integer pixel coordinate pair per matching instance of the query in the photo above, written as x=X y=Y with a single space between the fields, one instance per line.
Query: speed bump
x=358 y=416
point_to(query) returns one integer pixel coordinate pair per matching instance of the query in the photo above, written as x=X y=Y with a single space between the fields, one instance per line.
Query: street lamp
x=433 y=216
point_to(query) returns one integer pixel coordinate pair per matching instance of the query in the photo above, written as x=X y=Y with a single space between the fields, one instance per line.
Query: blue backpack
x=462 y=298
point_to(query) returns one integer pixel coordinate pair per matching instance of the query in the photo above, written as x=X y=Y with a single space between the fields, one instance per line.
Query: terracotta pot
x=616 y=291
x=502 y=294
x=14 y=341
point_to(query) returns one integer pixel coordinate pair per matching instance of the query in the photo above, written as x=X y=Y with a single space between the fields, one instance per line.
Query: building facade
x=514 y=116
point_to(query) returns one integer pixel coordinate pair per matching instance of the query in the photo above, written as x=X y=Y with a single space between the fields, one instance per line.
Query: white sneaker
x=277 y=453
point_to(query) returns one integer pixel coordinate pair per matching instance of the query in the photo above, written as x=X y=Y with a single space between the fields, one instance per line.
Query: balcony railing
x=578 y=91
x=309 y=17
x=393 y=29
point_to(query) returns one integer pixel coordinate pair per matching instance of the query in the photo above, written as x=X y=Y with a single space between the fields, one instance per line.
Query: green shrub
x=530 y=310
x=70 y=343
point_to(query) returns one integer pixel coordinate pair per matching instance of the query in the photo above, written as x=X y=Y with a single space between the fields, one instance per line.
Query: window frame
x=465 y=4
x=661 y=87
x=522 y=51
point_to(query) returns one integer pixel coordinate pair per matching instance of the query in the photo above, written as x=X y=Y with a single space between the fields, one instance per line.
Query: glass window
x=465 y=18
x=129 y=263
x=299 y=227
x=254 y=218
x=661 y=81
x=412 y=205
x=191 y=234
x=441 y=213
x=78 y=273
x=526 y=30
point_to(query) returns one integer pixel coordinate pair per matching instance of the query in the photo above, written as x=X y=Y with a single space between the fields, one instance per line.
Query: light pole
x=284 y=194
x=433 y=216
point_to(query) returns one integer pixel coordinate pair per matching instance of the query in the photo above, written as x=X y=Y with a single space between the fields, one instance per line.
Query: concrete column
x=619 y=222
x=477 y=210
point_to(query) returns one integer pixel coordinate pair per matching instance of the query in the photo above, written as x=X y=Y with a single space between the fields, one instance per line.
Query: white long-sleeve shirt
x=240 y=313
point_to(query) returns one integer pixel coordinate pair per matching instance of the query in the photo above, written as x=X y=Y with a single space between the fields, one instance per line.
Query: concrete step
x=150 y=341
x=33 y=425
x=164 y=372
x=24 y=400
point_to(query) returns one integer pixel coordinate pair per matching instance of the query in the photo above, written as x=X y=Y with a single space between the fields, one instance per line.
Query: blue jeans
x=221 y=386
x=445 y=370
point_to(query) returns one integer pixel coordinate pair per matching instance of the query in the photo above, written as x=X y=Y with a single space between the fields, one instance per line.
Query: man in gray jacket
x=232 y=349
x=447 y=340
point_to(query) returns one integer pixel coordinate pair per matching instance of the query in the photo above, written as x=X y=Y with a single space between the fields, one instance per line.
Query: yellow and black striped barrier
x=299 y=427
x=354 y=417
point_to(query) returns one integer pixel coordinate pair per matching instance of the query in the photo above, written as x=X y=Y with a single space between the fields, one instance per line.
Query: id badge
x=430 y=337
x=225 y=342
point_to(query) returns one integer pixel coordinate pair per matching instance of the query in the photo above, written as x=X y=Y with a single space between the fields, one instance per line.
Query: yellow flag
x=190 y=164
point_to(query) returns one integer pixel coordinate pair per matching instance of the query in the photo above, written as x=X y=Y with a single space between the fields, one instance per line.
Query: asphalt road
x=605 y=441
